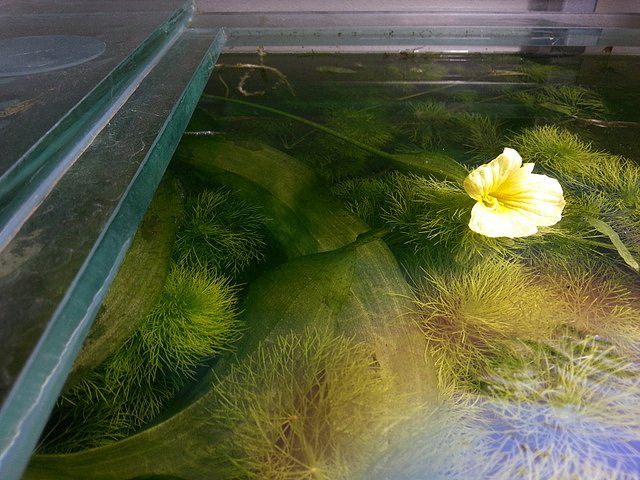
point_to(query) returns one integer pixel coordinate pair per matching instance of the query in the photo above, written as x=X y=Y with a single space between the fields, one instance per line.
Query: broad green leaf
x=358 y=290
x=353 y=286
x=138 y=282
x=302 y=217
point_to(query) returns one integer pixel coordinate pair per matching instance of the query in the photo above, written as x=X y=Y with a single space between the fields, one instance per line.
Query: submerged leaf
x=332 y=69
x=606 y=229
x=425 y=163
x=299 y=214
x=358 y=291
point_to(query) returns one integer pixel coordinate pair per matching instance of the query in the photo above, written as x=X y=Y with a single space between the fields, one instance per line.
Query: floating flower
x=512 y=201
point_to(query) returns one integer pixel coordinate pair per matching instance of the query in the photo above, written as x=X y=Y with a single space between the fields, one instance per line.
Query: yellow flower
x=512 y=201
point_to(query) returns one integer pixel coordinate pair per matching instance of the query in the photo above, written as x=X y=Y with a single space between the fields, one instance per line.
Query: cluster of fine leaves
x=193 y=320
x=309 y=406
x=220 y=233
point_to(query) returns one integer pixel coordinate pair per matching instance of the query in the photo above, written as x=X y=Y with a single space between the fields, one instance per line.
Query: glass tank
x=386 y=245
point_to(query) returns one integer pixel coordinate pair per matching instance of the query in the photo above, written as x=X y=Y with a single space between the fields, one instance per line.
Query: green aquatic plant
x=362 y=125
x=430 y=111
x=465 y=95
x=573 y=240
x=483 y=134
x=220 y=233
x=605 y=188
x=306 y=406
x=469 y=314
x=427 y=210
x=425 y=163
x=565 y=408
x=365 y=197
x=338 y=159
x=193 y=320
x=442 y=211
x=139 y=280
x=577 y=369
x=432 y=123
x=580 y=163
x=358 y=291
x=558 y=149
x=423 y=217
x=431 y=218
x=537 y=72
x=576 y=103
x=595 y=297
x=524 y=97
x=573 y=101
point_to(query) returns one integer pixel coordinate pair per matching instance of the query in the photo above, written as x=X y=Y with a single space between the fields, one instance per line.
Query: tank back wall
x=361 y=26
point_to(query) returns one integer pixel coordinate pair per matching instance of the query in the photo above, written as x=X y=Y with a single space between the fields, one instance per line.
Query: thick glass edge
x=28 y=405
x=26 y=183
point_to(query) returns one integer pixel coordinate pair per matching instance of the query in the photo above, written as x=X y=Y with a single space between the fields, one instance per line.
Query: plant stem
x=427 y=163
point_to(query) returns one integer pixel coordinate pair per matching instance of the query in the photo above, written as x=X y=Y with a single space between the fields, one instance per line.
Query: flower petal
x=487 y=178
x=539 y=199
x=500 y=222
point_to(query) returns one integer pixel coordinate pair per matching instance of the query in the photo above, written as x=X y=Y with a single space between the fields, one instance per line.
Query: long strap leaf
x=606 y=229
x=425 y=163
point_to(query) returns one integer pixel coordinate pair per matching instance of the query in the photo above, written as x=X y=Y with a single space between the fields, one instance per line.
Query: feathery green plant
x=432 y=123
x=336 y=159
x=566 y=408
x=595 y=297
x=537 y=72
x=361 y=125
x=310 y=406
x=220 y=233
x=470 y=313
x=483 y=134
x=573 y=101
x=579 y=164
x=432 y=217
x=193 y=320
x=365 y=197
x=603 y=190
x=567 y=100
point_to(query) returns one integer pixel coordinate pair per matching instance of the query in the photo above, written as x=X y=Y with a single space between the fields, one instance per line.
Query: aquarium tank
x=356 y=240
